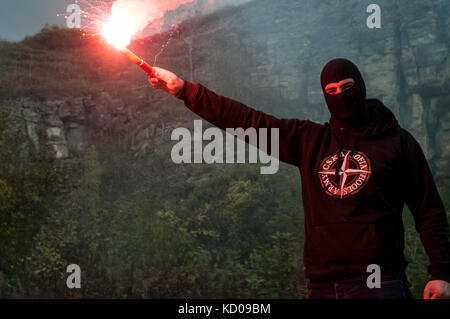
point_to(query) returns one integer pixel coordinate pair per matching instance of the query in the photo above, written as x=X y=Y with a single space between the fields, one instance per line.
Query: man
x=357 y=171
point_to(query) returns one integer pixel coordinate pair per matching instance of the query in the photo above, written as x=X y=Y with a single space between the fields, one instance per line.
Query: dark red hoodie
x=352 y=205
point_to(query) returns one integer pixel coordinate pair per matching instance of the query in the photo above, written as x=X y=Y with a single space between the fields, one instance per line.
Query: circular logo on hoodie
x=346 y=177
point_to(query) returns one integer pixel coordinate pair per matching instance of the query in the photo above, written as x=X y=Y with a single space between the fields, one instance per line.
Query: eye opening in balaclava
x=348 y=108
x=338 y=87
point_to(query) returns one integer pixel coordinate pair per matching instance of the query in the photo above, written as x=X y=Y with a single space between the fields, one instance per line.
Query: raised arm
x=228 y=113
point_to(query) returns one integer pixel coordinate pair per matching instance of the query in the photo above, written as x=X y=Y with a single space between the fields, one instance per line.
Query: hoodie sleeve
x=430 y=217
x=228 y=113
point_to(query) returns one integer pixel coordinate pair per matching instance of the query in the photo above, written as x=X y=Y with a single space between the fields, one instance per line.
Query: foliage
x=56 y=38
x=232 y=234
x=27 y=192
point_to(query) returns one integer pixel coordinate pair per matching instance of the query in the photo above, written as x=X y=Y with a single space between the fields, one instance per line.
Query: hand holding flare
x=159 y=78
x=166 y=81
x=118 y=31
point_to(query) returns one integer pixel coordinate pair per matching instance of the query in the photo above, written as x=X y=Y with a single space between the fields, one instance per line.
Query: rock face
x=269 y=54
x=55 y=128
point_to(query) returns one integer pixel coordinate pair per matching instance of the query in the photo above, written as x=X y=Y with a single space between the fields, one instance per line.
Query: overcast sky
x=19 y=18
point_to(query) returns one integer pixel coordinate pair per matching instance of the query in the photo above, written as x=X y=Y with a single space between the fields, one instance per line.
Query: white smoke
x=144 y=11
x=151 y=16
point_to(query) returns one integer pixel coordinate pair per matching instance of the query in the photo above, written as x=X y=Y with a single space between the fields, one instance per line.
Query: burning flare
x=119 y=30
x=129 y=17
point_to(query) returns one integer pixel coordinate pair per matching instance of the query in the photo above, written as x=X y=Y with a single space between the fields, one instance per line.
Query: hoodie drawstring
x=341 y=150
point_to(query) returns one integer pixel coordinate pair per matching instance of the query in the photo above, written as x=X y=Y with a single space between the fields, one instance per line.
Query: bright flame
x=118 y=31
x=127 y=18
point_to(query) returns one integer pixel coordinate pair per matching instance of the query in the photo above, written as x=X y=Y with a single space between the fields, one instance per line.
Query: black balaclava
x=349 y=108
